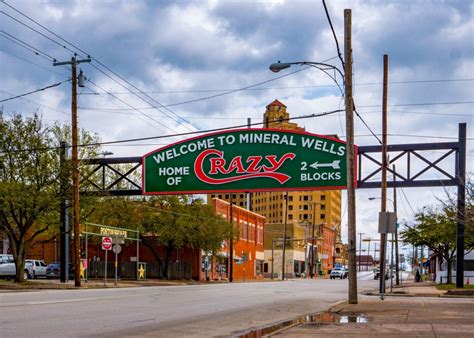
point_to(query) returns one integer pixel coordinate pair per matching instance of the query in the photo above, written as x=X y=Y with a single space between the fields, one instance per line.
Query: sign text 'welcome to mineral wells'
x=247 y=160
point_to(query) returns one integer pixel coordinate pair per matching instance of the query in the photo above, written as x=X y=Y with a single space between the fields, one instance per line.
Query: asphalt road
x=197 y=310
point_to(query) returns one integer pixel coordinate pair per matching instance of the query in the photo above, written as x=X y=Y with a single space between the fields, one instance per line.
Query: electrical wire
x=36 y=31
x=27 y=46
x=409 y=204
x=235 y=90
x=37 y=103
x=30 y=62
x=420 y=104
x=135 y=109
x=173 y=135
x=177 y=119
x=334 y=34
x=290 y=87
x=35 y=91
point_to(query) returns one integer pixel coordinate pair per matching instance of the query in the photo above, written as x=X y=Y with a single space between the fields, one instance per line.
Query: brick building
x=248 y=249
x=305 y=208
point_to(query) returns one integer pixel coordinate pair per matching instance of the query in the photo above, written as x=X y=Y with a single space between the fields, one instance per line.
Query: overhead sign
x=247 y=160
x=106 y=243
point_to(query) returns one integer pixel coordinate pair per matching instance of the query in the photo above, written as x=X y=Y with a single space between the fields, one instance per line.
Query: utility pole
x=461 y=213
x=312 y=241
x=351 y=206
x=360 y=246
x=75 y=168
x=231 y=244
x=397 y=259
x=383 y=236
x=63 y=214
x=284 y=238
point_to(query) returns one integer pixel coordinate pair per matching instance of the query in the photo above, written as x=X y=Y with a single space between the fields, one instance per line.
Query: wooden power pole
x=383 y=236
x=75 y=171
x=351 y=207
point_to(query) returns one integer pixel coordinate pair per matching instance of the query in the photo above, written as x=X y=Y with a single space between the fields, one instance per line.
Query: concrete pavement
x=422 y=312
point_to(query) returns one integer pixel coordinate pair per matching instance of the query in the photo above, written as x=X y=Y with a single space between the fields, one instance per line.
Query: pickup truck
x=8 y=268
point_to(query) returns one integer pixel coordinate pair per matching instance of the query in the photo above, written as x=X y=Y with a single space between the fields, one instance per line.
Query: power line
x=25 y=45
x=288 y=87
x=236 y=90
x=420 y=104
x=36 y=31
x=334 y=34
x=97 y=61
x=218 y=95
x=367 y=126
x=37 y=103
x=174 y=135
x=135 y=109
x=35 y=91
x=33 y=63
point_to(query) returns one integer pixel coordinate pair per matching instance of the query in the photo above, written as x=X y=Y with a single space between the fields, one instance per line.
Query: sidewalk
x=394 y=317
x=424 y=311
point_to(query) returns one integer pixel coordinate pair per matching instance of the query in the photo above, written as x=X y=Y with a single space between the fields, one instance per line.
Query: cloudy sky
x=202 y=65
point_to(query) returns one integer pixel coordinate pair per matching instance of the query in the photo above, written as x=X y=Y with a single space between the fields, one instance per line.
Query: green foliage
x=436 y=229
x=169 y=222
x=29 y=181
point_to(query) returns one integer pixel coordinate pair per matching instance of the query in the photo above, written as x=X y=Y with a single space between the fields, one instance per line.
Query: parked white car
x=8 y=268
x=36 y=268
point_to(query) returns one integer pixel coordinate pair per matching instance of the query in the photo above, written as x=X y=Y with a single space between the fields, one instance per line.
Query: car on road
x=53 y=270
x=339 y=272
x=8 y=268
x=36 y=268
x=377 y=273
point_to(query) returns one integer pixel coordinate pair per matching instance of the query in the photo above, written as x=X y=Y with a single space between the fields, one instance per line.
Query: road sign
x=247 y=160
x=117 y=248
x=106 y=243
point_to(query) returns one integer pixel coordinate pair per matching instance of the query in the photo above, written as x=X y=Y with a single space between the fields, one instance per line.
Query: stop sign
x=106 y=243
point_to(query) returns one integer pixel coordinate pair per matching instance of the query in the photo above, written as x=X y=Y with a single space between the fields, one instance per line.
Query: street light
x=324 y=67
x=350 y=156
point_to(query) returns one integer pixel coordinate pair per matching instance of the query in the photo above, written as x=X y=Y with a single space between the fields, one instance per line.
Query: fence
x=127 y=270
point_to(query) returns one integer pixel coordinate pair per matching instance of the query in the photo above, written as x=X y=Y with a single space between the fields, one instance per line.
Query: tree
x=29 y=181
x=175 y=222
x=436 y=229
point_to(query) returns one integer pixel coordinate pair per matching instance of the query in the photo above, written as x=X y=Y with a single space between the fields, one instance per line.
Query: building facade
x=300 y=209
x=248 y=246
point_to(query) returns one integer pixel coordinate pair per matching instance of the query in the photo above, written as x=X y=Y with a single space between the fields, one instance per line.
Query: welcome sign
x=247 y=160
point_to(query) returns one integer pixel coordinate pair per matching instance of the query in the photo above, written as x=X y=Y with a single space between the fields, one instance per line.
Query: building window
x=290 y=198
x=323 y=216
x=305 y=198
x=290 y=216
x=241 y=204
x=290 y=207
x=323 y=197
x=305 y=216
x=234 y=196
x=305 y=207
x=323 y=207
x=226 y=196
x=241 y=195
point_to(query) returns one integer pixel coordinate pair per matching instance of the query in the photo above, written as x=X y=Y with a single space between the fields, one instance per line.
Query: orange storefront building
x=248 y=249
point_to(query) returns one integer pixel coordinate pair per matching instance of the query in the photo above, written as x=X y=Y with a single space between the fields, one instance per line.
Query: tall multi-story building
x=301 y=210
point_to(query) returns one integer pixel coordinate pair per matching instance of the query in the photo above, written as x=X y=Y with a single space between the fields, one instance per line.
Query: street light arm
x=276 y=67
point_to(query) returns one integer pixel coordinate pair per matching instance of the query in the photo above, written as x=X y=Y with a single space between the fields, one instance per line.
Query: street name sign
x=106 y=243
x=247 y=160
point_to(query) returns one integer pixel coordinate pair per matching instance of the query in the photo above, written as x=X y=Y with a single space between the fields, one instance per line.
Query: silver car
x=8 y=268
x=36 y=268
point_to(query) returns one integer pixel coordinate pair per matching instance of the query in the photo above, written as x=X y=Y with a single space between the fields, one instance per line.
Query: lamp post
x=350 y=163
